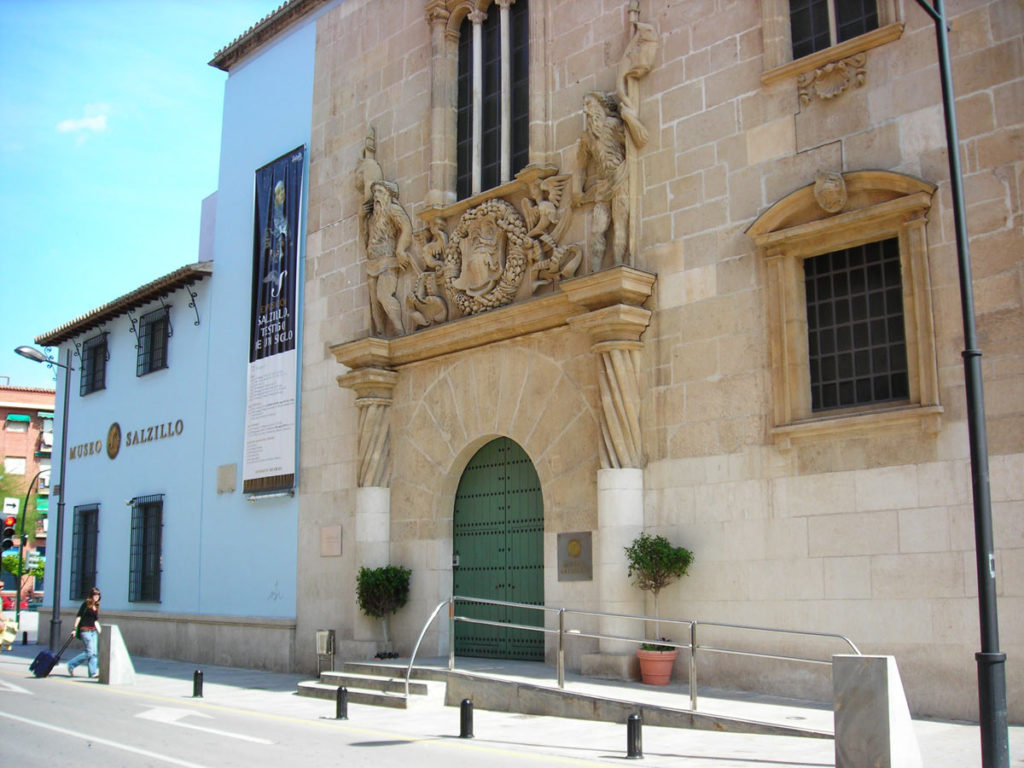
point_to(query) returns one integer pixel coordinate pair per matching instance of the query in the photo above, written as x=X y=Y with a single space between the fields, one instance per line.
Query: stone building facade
x=637 y=313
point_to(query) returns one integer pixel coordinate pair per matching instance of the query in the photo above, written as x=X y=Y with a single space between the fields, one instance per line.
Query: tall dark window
x=83 y=550
x=145 y=558
x=490 y=150
x=819 y=24
x=154 y=332
x=855 y=329
x=94 y=365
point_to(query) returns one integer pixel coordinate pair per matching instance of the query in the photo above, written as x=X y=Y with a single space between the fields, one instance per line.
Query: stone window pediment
x=836 y=213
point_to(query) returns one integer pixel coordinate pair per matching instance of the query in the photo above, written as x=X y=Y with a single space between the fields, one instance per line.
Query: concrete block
x=872 y=719
x=116 y=666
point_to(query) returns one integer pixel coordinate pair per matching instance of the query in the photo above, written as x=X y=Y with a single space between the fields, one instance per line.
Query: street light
x=992 y=716
x=34 y=354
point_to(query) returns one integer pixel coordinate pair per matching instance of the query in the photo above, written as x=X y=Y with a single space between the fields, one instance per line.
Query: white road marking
x=13 y=688
x=106 y=742
x=172 y=716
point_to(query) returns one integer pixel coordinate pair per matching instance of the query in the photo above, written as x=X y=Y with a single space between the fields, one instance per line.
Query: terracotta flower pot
x=656 y=666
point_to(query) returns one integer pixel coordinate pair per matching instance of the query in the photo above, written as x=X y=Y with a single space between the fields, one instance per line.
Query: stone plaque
x=226 y=478
x=575 y=556
x=330 y=541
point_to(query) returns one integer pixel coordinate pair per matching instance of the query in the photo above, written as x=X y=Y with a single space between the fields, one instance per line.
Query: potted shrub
x=655 y=563
x=380 y=592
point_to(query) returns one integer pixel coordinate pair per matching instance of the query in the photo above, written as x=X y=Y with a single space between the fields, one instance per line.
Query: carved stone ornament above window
x=833 y=79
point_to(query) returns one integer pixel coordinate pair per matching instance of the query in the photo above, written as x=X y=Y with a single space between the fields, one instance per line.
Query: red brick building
x=26 y=439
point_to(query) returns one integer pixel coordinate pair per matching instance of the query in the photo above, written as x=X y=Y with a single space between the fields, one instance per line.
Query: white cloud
x=93 y=120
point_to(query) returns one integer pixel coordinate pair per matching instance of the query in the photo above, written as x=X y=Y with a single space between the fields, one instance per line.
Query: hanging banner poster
x=269 y=459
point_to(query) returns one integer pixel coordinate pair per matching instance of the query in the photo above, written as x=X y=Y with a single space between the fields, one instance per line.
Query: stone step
x=362 y=681
x=395 y=670
x=318 y=690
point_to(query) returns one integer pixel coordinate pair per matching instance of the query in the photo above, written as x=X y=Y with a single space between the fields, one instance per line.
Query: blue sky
x=109 y=140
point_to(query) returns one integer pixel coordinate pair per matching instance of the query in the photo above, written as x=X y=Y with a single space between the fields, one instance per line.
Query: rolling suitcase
x=46 y=660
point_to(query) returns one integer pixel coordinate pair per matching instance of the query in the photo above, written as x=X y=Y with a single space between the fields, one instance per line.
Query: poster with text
x=270 y=413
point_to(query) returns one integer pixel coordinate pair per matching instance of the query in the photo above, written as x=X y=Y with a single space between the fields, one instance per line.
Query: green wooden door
x=499 y=540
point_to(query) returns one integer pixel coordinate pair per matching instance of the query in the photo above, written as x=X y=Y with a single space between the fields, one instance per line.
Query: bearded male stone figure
x=603 y=175
x=388 y=238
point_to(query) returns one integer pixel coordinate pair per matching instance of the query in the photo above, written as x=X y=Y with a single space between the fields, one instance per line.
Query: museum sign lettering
x=116 y=438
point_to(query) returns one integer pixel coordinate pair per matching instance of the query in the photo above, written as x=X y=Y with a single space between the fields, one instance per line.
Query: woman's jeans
x=88 y=637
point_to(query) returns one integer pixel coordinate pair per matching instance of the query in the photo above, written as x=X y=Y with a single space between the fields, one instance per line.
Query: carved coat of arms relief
x=498 y=248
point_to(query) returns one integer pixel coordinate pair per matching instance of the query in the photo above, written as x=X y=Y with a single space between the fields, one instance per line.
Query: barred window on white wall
x=154 y=333
x=83 y=550
x=94 y=365
x=145 y=557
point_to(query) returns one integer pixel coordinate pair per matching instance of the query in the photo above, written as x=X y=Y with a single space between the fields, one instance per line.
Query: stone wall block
x=868 y=533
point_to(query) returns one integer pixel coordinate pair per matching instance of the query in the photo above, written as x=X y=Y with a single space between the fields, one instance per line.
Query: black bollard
x=197 y=684
x=341 y=705
x=466 y=719
x=634 y=745
x=24 y=638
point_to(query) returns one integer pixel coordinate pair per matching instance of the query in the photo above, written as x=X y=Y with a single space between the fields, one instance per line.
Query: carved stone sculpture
x=830 y=191
x=388 y=238
x=547 y=212
x=602 y=176
x=636 y=62
x=425 y=303
x=368 y=170
x=468 y=259
x=488 y=256
x=834 y=78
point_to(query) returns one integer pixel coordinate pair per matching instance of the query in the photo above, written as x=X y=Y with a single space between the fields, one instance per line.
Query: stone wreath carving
x=487 y=257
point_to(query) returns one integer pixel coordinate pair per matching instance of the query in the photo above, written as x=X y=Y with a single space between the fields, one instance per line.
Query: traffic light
x=8 y=533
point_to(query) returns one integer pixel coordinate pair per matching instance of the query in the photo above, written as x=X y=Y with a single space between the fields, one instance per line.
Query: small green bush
x=383 y=590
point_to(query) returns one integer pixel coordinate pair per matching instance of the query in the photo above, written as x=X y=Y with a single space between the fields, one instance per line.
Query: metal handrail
x=692 y=646
x=423 y=631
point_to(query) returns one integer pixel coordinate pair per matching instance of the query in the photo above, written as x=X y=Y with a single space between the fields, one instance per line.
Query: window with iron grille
x=94 y=365
x=496 y=165
x=145 y=558
x=83 y=550
x=857 y=348
x=819 y=24
x=154 y=332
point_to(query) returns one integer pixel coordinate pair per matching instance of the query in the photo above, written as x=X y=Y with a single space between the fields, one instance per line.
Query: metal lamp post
x=34 y=354
x=995 y=751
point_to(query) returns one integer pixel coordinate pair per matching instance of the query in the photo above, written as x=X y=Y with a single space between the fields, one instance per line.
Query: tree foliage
x=383 y=590
x=10 y=564
x=654 y=563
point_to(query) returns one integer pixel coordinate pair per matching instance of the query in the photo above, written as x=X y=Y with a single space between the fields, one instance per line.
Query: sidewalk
x=943 y=744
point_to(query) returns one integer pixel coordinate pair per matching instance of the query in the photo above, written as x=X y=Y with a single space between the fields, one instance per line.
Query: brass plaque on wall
x=575 y=556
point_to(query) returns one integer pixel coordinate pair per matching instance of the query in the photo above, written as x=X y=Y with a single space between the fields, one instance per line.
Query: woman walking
x=87 y=629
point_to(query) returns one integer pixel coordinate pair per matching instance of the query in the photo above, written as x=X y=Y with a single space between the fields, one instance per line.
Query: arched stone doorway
x=498 y=540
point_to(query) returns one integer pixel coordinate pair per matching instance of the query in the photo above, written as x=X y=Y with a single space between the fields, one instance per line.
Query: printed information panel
x=270 y=413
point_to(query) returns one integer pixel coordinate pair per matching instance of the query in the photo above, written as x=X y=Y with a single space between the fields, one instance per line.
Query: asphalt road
x=62 y=721
x=252 y=718
x=72 y=722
